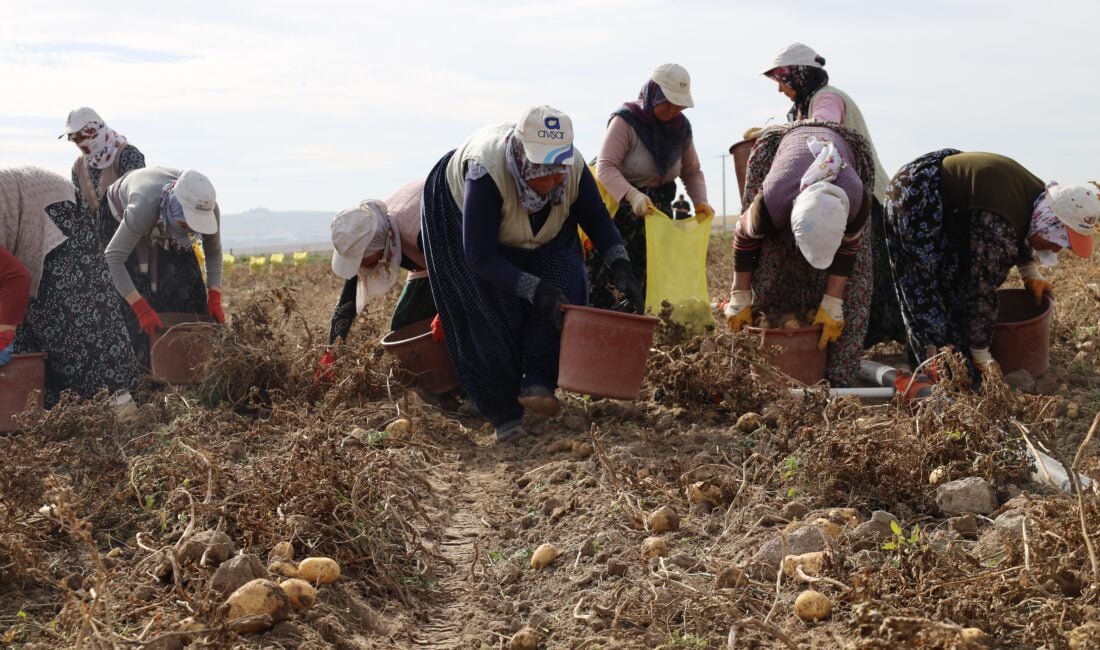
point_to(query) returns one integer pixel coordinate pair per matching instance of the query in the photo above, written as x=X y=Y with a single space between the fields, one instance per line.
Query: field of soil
x=695 y=517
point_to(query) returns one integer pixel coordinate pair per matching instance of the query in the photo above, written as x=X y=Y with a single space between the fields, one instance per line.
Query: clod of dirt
x=235 y=572
x=654 y=547
x=257 y=606
x=616 y=568
x=145 y=593
x=812 y=605
x=663 y=520
x=560 y=445
x=282 y=568
x=971 y=494
x=319 y=570
x=207 y=547
x=582 y=449
x=810 y=563
x=729 y=577
x=281 y=551
x=301 y=594
x=795 y=510
x=1021 y=380
x=543 y=556
x=526 y=639
x=965 y=526
x=749 y=422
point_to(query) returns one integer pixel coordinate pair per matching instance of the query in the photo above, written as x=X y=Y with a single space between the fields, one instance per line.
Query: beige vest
x=486 y=146
x=93 y=195
x=853 y=119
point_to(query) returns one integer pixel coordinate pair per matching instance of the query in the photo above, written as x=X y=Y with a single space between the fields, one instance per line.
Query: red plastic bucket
x=1021 y=337
x=603 y=352
x=422 y=361
x=794 y=351
x=21 y=376
x=178 y=354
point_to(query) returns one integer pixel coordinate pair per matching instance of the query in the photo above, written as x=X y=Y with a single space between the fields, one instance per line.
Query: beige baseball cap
x=796 y=54
x=195 y=193
x=675 y=83
x=78 y=119
x=547 y=136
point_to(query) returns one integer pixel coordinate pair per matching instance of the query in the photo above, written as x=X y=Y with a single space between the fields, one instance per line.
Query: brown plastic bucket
x=178 y=354
x=740 y=152
x=422 y=361
x=21 y=376
x=794 y=351
x=1021 y=337
x=603 y=352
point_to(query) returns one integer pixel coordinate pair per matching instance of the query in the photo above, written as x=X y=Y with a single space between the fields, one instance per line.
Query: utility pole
x=723 y=157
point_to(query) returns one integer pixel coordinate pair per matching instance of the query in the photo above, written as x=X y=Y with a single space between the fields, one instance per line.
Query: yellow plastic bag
x=228 y=259
x=300 y=258
x=611 y=204
x=276 y=258
x=200 y=257
x=256 y=263
x=676 y=270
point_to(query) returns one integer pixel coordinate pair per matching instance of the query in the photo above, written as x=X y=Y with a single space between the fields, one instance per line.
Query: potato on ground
x=256 y=600
x=319 y=570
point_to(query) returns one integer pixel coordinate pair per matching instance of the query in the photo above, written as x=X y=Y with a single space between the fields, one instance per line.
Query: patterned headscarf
x=806 y=80
x=172 y=222
x=101 y=144
x=1046 y=224
x=524 y=170
x=664 y=140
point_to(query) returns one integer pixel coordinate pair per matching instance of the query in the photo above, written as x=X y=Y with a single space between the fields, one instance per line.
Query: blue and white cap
x=547 y=136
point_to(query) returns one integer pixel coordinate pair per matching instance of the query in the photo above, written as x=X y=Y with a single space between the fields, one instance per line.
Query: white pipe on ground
x=882 y=392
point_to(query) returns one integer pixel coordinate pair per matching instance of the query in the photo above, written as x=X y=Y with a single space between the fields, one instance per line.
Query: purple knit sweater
x=792 y=158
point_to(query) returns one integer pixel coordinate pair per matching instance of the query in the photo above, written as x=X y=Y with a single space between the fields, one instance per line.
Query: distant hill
x=261 y=228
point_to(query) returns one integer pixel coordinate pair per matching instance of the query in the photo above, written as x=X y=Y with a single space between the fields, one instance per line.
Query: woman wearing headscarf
x=55 y=293
x=162 y=213
x=800 y=243
x=371 y=244
x=500 y=217
x=646 y=147
x=956 y=224
x=800 y=74
x=105 y=157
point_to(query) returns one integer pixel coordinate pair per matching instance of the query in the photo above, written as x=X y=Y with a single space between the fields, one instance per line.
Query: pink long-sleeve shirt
x=829 y=107
x=624 y=162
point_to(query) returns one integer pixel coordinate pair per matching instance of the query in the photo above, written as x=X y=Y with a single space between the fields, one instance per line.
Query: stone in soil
x=871 y=534
x=768 y=559
x=236 y=572
x=968 y=495
x=965 y=525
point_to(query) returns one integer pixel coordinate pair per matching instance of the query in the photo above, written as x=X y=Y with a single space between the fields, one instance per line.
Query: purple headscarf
x=664 y=140
x=524 y=170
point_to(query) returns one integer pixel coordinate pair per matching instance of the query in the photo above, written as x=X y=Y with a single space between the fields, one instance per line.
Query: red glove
x=214 y=305
x=147 y=317
x=324 y=373
x=6 y=337
x=437 y=329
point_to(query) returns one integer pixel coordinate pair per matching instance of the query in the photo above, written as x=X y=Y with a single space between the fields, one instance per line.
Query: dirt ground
x=671 y=517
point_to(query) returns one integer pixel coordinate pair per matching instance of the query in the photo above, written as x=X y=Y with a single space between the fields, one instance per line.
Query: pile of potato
x=261 y=603
x=786 y=321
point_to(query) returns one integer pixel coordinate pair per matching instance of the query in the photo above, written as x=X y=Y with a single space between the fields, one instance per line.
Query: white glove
x=639 y=203
x=739 y=299
x=981 y=356
x=1030 y=271
x=834 y=307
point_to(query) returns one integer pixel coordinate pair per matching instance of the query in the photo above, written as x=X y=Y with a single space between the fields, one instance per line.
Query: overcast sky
x=316 y=105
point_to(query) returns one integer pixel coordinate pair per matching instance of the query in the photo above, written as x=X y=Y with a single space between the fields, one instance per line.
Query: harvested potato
x=254 y=600
x=810 y=563
x=937 y=476
x=583 y=449
x=850 y=516
x=974 y=636
x=281 y=551
x=703 y=492
x=654 y=547
x=543 y=556
x=749 y=422
x=789 y=321
x=319 y=570
x=398 y=428
x=526 y=639
x=730 y=576
x=829 y=527
x=812 y=605
x=283 y=568
x=663 y=520
x=301 y=594
x=560 y=445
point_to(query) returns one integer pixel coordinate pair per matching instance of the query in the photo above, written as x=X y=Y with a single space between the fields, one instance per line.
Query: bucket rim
x=1048 y=310
x=640 y=318
x=28 y=356
x=789 y=333
x=390 y=340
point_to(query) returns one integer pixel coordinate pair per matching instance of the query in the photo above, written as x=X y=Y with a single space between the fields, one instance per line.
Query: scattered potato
x=319 y=570
x=283 y=568
x=830 y=528
x=301 y=594
x=282 y=551
x=663 y=520
x=812 y=605
x=704 y=492
x=398 y=428
x=749 y=422
x=526 y=639
x=560 y=445
x=654 y=547
x=790 y=321
x=543 y=556
x=583 y=449
x=257 y=598
x=849 y=515
x=937 y=476
x=810 y=563
x=974 y=635
x=730 y=576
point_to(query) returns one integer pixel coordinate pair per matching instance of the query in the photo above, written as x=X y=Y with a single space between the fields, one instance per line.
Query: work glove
x=985 y=363
x=622 y=276
x=547 y=303
x=738 y=310
x=323 y=373
x=7 y=346
x=703 y=211
x=147 y=317
x=214 y=305
x=437 y=329
x=831 y=316
x=1035 y=284
x=640 y=203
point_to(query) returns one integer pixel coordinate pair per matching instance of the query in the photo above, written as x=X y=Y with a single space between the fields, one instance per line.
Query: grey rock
x=968 y=495
x=235 y=572
x=873 y=533
x=1011 y=523
x=795 y=510
x=965 y=525
x=767 y=560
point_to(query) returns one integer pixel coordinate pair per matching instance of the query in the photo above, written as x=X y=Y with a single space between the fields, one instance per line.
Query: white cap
x=1077 y=206
x=352 y=232
x=675 y=83
x=818 y=219
x=78 y=119
x=796 y=54
x=195 y=193
x=547 y=136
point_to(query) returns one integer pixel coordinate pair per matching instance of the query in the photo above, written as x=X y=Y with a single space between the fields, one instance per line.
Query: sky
x=317 y=105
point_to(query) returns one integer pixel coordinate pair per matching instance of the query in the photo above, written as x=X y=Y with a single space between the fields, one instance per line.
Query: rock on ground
x=968 y=495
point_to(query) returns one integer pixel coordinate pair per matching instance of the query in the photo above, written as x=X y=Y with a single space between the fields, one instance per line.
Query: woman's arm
x=15 y=289
x=133 y=227
x=481 y=219
x=344 y=314
x=691 y=173
x=616 y=144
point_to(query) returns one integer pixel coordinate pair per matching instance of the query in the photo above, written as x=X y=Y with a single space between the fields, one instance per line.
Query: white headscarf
x=820 y=212
x=101 y=144
x=385 y=237
x=1046 y=224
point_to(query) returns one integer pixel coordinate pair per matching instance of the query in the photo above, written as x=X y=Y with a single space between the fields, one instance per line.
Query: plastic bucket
x=1021 y=337
x=794 y=351
x=603 y=352
x=178 y=354
x=422 y=361
x=740 y=152
x=21 y=376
